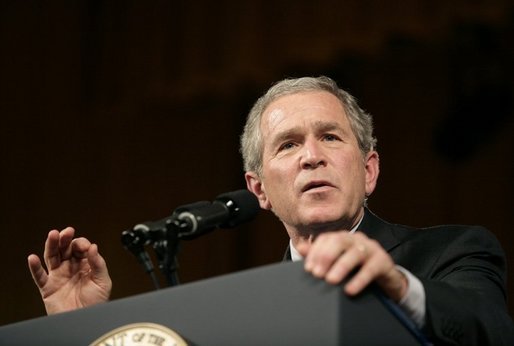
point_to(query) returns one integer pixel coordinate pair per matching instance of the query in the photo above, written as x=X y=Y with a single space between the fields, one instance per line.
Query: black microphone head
x=243 y=206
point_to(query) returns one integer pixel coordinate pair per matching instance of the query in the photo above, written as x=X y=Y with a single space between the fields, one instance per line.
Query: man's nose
x=312 y=156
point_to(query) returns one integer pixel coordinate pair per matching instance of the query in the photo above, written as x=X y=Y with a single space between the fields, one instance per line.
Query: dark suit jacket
x=463 y=272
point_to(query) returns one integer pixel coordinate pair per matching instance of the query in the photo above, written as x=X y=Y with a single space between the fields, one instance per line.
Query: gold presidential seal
x=140 y=334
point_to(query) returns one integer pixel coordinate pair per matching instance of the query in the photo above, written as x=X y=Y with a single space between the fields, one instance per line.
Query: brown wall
x=116 y=112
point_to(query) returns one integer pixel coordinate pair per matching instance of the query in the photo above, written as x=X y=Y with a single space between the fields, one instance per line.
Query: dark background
x=116 y=112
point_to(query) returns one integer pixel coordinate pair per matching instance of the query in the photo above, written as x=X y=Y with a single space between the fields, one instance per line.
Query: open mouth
x=316 y=185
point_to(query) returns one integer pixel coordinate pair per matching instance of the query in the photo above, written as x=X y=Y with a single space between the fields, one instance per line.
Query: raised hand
x=76 y=274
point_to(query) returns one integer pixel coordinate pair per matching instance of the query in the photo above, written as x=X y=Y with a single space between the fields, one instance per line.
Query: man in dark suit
x=309 y=156
x=462 y=270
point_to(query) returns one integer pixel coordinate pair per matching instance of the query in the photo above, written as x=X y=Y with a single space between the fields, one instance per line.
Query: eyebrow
x=319 y=127
x=284 y=135
x=324 y=126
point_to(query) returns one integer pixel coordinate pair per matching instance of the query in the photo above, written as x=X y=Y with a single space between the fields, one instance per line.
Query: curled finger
x=326 y=251
x=346 y=263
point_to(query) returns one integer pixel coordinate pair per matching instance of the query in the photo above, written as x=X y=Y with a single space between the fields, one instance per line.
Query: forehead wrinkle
x=275 y=116
x=271 y=122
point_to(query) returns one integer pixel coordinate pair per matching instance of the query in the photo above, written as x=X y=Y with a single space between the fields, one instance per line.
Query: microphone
x=226 y=211
x=192 y=220
x=149 y=232
x=187 y=222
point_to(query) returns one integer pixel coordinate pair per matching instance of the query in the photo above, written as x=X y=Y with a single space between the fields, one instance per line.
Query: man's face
x=314 y=175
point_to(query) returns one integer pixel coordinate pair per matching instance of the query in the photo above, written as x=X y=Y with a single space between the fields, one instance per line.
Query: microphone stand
x=133 y=242
x=187 y=222
x=165 y=241
x=168 y=248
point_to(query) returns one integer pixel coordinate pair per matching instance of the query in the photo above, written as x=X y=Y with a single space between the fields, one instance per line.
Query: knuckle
x=374 y=244
x=324 y=258
x=360 y=236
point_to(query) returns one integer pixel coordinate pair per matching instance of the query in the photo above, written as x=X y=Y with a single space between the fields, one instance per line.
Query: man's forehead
x=295 y=108
x=274 y=117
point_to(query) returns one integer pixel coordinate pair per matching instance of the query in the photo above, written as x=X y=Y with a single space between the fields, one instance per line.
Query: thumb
x=99 y=271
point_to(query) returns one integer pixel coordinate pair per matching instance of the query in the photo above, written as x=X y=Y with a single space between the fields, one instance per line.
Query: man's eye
x=286 y=146
x=330 y=138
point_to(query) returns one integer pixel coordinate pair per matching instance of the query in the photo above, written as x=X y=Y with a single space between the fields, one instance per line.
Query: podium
x=278 y=304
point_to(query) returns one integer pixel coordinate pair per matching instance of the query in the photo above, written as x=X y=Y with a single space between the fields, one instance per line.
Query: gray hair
x=252 y=145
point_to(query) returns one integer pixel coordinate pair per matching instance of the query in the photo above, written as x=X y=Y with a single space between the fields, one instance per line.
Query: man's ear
x=255 y=185
x=372 y=167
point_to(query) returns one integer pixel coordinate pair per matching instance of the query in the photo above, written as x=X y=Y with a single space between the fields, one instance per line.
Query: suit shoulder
x=439 y=236
x=444 y=236
x=444 y=231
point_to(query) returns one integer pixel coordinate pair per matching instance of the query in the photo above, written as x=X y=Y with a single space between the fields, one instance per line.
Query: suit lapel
x=377 y=229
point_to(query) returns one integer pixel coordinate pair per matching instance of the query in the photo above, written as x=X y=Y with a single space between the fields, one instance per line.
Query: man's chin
x=323 y=222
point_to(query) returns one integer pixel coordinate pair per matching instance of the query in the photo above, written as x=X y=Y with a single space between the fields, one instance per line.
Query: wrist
x=399 y=286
